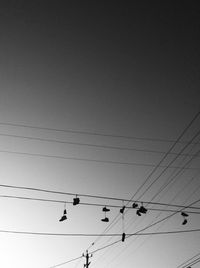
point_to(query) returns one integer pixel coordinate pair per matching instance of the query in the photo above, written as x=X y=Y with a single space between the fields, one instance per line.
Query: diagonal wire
x=154 y=169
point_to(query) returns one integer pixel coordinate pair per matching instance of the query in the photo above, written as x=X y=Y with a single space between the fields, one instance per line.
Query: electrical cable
x=171 y=162
x=173 y=177
x=85 y=203
x=66 y=262
x=196 y=189
x=155 y=168
x=83 y=195
x=145 y=228
x=102 y=235
x=149 y=226
x=85 y=144
x=191 y=263
x=166 y=185
x=85 y=159
x=188 y=260
x=131 y=223
x=86 y=132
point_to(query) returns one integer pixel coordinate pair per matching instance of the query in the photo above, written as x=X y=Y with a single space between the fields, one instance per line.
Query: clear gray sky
x=108 y=67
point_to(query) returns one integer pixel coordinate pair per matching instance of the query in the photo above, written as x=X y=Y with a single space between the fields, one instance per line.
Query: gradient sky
x=107 y=67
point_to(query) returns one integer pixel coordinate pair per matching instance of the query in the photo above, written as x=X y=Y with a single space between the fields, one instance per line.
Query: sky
x=110 y=74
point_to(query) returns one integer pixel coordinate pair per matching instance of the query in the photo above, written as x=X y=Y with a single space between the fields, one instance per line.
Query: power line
x=156 y=167
x=145 y=228
x=86 y=203
x=102 y=235
x=66 y=262
x=152 y=221
x=86 y=132
x=191 y=263
x=88 y=196
x=190 y=259
x=178 y=172
x=165 y=156
x=87 y=144
x=88 y=159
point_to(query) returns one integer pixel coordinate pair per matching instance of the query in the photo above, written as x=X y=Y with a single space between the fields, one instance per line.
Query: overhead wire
x=162 y=188
x=191 y=263
x=86 y=195
x=147 y=238
x=96 y=234
x=176 y=174
x=85 y=159
x=172 y=161
x=145 y=228
x=188 y=260
x=86 y=132
x=66 y=262
x=141 y=219
x=85 y=203
x=100 y=146
x=155 y=168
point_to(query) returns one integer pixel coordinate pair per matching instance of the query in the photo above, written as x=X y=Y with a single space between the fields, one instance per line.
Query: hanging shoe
x=184 y=222
x=76 y=201
x=123 y=237
x=138 y=212
x=122 y=209
x=184 y=214
x=105 y=209
x=106 y=219
x=63 y=218
x=135 y=205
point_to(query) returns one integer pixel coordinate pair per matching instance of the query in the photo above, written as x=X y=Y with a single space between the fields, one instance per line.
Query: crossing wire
x=162 y=188
x=189 y=260
x=191 y=263
x=154 y=169
x=135 y=226
x=145 y=228
x=196 y=189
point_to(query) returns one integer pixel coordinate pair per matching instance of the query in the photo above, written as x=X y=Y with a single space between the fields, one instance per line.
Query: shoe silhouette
x=143 y=210
x=122 y=210
x=184 y=214
x=138 y=212
x=105 y=219
x=76 y=201
x=63 y=218
x=123 y=237
x=184 y=222
x=105 y=209
x=134 y=205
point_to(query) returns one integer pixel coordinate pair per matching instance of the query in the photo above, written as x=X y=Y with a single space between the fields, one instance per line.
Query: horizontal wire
x=87 y=204
x=89 y=144
x=91 y=196
x=86 y=132
x=103 y=235
x=93 y=160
